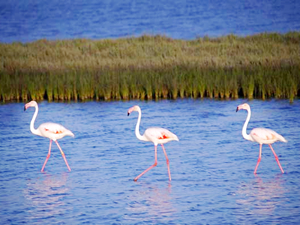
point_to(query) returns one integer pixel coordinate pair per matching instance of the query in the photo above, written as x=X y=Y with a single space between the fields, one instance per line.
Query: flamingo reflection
x=153 y=203
x=45 y=196
x=261 y=197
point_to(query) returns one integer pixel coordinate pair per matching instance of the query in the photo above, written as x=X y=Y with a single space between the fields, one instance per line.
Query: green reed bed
x=152 y=67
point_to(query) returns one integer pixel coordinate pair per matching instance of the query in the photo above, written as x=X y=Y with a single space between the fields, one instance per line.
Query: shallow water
x=27 y=21
x=211 y=166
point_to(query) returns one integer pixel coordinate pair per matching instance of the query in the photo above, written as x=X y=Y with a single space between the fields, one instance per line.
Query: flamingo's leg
x=63 y=155
x=155 y=164
x=168 y=164
x=259 y=158
x=48 y=156
x=276 y=157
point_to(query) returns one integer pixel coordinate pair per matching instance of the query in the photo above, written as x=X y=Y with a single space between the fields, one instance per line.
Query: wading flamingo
x=156 y=135
x=53 y=131
x=261 y=136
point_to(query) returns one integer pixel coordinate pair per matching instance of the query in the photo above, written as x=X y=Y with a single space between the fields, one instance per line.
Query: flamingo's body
x=261 y=136
x=156 y=135
x=53 y=131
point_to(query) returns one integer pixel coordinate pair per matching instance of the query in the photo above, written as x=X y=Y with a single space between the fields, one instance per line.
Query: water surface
x=29 y=20
x=212 y=165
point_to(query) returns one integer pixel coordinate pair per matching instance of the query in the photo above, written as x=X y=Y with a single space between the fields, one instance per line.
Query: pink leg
x=168 y=164
x=259 y=158
x=276 y=157
x=155 y=164
x=63 y=155
x=48 y=156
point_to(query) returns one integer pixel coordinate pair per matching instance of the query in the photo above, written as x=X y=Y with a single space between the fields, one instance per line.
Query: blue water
x=29 y=20
x=212 y=165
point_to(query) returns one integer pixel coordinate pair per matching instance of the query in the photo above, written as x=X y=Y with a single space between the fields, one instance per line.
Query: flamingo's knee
x=259 y=159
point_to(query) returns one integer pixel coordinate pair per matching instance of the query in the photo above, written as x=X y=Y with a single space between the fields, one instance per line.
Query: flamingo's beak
x=237 y=109
x=128 y=113
x=24 y=107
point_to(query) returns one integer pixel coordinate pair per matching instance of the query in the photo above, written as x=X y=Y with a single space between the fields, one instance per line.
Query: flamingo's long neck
x=34 y=131
x=244 y=131
x=137 y=127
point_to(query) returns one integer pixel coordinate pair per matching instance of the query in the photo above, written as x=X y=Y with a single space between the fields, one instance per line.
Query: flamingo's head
x=30 y=104
x=134 y=108
x=243 y=106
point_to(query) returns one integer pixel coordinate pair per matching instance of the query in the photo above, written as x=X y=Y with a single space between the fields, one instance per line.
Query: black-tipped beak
x=128 y=114
x=237 y=109
x=24 y=108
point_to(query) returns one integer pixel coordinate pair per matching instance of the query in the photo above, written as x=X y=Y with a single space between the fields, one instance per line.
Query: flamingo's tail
x=69 y=133
x=281 y=138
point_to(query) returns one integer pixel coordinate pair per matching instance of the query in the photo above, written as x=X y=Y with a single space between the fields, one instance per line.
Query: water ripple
x=211 y=166
x=177 y=19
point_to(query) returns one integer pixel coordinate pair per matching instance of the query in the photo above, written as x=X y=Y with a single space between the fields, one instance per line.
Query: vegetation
x=263 y=66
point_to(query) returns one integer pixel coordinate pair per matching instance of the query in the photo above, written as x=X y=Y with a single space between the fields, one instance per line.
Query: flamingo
x=156 y=135
x=261 y=136
x=53 y=131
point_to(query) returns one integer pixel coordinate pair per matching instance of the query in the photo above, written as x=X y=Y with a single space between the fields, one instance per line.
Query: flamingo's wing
x=265 y=134
x=160 y=134
x=52 y=128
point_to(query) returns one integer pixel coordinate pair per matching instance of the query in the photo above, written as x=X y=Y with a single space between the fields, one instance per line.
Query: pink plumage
x=159 y=135
x=156 y=135
x=261 y=136
x=265 y=136
x=53 y=131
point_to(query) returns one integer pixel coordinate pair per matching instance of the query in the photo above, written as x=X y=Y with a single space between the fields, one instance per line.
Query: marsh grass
x=263 y=66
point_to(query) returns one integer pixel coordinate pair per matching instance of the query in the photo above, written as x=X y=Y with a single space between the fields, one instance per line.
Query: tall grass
x=263 y=66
